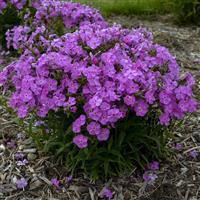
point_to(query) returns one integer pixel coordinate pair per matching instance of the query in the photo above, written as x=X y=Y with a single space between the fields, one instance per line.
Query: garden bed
x=178 y=177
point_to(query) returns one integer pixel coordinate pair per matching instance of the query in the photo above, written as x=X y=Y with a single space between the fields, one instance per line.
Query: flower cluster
x=39 y=27
x=3 y=5
x=98 y=73
x=18 y=4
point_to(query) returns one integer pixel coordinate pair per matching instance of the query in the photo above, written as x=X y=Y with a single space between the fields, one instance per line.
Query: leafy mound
x=108 y=90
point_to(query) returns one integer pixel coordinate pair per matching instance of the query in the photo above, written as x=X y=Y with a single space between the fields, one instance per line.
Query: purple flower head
x=81 y=141
x=141 y=108
x=104 y=134
x=22 y=111
x=129 y=100
x=22 y=162
x=76 y=126
x=154 y=166
x=164 y=119
x=94 y=128
x=107 y=193
x=39 y=123
x=178 y=146
x=164 y=98
x=21 y=183
x=197 y=60
x=3 y=5
x=11 y=144
x=149 y=177
x=194 y=154
x=18 y=3
x=55 y=182
x=19 y=156
x=69 y=179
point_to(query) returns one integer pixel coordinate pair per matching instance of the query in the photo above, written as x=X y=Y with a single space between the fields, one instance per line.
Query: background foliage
x=184 y=11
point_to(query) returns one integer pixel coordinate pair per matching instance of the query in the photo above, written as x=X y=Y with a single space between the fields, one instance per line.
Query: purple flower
x=104 y=134
x=39 y=123
x=22 y=111
x=19 y=156
x=129 y=100
x=11 y=144
x=164 y=98
x=76 y=126
x=149 y=177
x=2 y=5
x=194 y=154
x=197 y=60
x=22 y=162
x=69 y=179
x=164 y=119
x=81 y=141
x=178 y=146
x=55 y=182
x=21 y=183
x=94 y=128
x=107 y=193
x=141 y=108
x=154 y=166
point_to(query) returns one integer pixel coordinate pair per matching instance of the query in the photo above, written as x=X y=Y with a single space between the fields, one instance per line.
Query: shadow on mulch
x=164 y=192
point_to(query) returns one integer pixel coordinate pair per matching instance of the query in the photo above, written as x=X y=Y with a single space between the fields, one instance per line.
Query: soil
x=179 y=175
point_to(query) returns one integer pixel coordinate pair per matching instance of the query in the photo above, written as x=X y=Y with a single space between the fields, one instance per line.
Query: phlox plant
x=101 y=97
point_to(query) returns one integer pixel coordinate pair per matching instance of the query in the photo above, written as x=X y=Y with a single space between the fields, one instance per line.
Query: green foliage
x=133 y=143
x=186 y=11
x=128 y=7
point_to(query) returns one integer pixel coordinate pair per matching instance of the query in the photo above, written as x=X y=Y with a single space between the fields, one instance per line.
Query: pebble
x=21 y=147
x=2 y=148
x=30 y=150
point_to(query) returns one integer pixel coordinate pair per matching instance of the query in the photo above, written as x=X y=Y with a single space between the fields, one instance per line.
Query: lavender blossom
x=55 y=182
x=108 y=193
x=22 y=162
x=194 y=154
x=149 y=177
x=21 y=183
x=154 y=166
